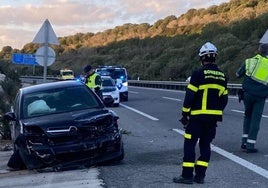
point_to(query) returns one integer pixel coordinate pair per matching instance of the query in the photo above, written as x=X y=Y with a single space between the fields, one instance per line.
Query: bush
x=5 y=130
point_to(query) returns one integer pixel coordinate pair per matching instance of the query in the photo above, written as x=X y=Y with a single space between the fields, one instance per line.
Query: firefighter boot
x=199 y=180
x=183 y=180
x=251 y=148
x=243 y=147
x=244 y=144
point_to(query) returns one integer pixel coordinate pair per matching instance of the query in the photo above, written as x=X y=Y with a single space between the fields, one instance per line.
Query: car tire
x=28 y=159
x=122 y=156
x=124 y=98
x=15 y=162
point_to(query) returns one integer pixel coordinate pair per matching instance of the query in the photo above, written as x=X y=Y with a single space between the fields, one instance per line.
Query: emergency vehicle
x=119 y=74
x=66 y=74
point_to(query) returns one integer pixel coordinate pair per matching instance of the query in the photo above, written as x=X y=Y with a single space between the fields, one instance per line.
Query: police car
x=109 y=89
x=119 y=74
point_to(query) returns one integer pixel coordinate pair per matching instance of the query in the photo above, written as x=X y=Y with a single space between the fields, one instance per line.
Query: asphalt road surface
x=153 y=140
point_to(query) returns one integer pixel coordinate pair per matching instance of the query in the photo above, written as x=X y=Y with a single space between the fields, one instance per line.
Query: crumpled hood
x=64 y=122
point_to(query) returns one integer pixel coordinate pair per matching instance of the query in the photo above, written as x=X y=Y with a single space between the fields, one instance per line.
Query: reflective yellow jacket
x=257 y=69
x=94 y=81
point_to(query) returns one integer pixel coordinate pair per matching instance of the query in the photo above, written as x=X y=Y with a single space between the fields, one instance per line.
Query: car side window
x=26 y=101
x=16 y=104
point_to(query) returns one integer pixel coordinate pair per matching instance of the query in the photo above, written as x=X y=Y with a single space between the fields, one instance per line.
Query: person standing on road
x=93 y=80
x=255 y=88
x=205 y=99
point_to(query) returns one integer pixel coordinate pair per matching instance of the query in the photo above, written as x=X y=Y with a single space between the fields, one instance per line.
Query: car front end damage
x=82 y=139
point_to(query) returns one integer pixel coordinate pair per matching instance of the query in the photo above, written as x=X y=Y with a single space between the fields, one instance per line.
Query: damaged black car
x=62 y=124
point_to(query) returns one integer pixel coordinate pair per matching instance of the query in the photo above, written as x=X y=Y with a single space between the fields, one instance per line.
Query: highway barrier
x=172 y=85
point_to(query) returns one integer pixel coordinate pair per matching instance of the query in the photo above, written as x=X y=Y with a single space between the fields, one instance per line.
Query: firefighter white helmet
x=208 y=48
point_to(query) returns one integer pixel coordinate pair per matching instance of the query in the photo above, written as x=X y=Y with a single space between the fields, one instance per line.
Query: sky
x=20 y=20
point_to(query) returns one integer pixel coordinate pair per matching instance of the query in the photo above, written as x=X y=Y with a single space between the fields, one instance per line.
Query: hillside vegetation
x=166 y=50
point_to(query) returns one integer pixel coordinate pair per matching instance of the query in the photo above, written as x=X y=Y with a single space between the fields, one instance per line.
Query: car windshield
x=114 y=73
x=107 y=82
x=66 y=73
x=57 y=101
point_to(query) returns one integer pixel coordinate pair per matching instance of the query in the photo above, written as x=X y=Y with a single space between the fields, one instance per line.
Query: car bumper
x=115 y=97
x=86 y=152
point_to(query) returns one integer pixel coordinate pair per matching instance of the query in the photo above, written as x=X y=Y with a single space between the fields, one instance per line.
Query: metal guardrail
x=37 y=79
x=172 y=85
x=232 y=88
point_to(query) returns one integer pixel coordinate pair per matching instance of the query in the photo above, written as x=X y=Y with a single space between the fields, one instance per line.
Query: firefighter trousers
x=204 y=132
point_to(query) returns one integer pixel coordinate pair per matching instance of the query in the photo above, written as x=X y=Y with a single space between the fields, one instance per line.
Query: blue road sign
x=26 y=59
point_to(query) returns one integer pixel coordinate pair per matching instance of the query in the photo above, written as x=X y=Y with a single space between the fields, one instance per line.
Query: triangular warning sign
x=264 y=39
x=46 y=34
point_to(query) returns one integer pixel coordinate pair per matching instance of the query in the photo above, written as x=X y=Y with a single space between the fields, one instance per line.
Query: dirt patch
x=5 y=153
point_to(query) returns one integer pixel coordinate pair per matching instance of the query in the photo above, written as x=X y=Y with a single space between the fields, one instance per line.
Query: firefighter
x=93 y=80
x=255 y=88
x=205 y=99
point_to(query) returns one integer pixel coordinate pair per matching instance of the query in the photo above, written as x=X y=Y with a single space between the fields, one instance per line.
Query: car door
x=15 y=125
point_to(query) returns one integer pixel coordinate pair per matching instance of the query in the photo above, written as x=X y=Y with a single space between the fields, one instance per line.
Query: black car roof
x=106 y=77
x=51 y=85
x=110 y=68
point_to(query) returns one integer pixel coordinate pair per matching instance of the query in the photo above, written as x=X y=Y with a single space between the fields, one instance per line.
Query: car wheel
x=125 y=98
x=121 y=157
x=30 y=161
x=15 y=162
x=116 y=159
x=116 y=104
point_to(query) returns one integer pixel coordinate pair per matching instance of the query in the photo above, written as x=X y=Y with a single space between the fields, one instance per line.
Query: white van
x=119 y=74
x=66 y=74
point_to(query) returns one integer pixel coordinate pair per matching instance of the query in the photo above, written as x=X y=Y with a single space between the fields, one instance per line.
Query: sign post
x=264 y=39
x=45 y=54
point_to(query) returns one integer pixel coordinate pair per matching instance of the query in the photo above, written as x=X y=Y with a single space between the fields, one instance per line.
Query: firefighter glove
x=184 y=121
x=240 y=95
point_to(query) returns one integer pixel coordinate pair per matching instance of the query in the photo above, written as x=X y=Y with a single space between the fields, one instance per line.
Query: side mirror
x=9 y=116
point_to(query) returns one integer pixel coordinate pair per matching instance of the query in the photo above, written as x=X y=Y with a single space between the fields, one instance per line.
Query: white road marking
x=235 y=158
x=139 y=112
x=232 y=97
x=134 y=92
x=171 y=99
x=239 y=111
x=158 y=89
